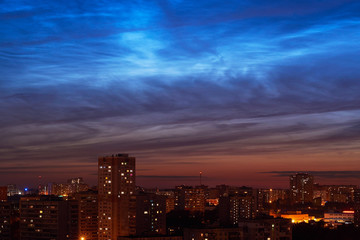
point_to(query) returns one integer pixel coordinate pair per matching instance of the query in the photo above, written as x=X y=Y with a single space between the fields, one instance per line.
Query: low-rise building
x=338 y=218
x=213 y=234
x=260 y=229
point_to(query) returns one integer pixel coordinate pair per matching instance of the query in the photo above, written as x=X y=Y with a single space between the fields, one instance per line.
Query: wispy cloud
x=179 y=78
x=320 y=174
x=167 y=177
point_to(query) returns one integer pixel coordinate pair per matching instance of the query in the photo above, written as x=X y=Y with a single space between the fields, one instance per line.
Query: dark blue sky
x=231 y=88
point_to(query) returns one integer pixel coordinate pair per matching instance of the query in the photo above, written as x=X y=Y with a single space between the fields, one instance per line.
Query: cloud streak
x=320 y=174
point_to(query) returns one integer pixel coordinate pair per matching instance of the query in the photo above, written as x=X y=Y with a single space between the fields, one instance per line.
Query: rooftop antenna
x=200 y=178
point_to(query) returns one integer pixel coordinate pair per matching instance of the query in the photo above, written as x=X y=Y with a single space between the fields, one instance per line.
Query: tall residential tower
x=301 y=188
x=116 y=181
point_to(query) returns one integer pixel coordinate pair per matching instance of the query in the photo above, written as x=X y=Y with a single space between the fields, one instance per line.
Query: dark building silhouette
x=150 y=214
x=3 y=193
x=213 y=234
x=48 y=217
x=260 y=229
x=5 y=212
x=357 y=207
x=88 y=214
x=151 y=238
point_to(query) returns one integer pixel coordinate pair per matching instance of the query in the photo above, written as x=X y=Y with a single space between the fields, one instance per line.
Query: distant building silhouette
x=3 y=193
x=301 y=188
x=190 y=198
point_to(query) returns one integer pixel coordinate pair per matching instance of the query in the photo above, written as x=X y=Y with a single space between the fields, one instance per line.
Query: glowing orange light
x=349 y=211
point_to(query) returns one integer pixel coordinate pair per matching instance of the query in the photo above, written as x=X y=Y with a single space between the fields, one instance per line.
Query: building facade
x=190 y=198
x=357 y=207
x=48 y=217
x=3 y=194
x=261 y=229
x=236 y=207
x=301 y=188
x=88 y=214
x=213 y=234
x=150 y=214
x=5 y=212
x=116 y=186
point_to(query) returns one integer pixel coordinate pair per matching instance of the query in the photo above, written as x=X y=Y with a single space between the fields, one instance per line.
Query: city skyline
x=117 y=209
x=248 y=93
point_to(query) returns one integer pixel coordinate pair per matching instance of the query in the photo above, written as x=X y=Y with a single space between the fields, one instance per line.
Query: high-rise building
x=301 y=188
x=170 y=204
x=12 y=190
x=190 y=198
x=60 y=189
x=341 y=193
x=3 y=194
x=73 y=185
x=273 y=195
x=357 y=207
x=236 y=207
x=77 y=185
x=150 y=214
x=48 y=217
x=5 y=212
x=116 y=184
x=88 y=214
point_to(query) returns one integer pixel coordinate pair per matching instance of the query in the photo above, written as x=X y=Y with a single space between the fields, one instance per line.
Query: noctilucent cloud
x=245 y=91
